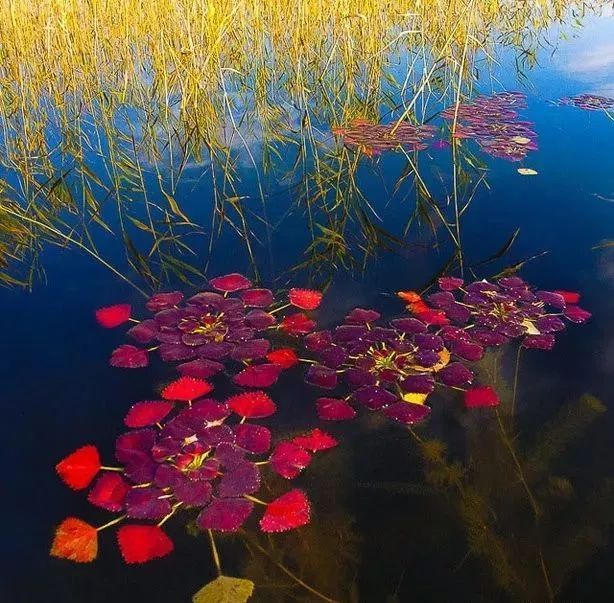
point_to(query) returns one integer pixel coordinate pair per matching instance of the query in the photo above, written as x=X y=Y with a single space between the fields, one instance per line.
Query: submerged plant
x=186 y=452
x=492 y=122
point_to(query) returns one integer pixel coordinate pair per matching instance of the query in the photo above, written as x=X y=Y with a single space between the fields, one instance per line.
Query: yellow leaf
x=527 y=172
x=521 y=139
x=530 y=327
x=413 y=398
x=225 y=590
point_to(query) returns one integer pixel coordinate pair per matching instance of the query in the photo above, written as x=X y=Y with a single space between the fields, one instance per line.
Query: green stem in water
x=214 y=553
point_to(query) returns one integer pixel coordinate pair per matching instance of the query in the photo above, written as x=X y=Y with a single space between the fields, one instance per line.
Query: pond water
x=466 y=505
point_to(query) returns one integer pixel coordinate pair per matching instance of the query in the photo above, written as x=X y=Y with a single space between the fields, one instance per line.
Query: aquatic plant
x=492 y=122
x=491 y=314
x=229 y=322
x=589 y=102
x=395 y=367
x=374 y=138
x=186 y=452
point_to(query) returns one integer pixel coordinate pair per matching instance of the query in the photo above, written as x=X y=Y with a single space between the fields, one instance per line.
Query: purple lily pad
x=411 y=326
x=316 y=342
x=408 y=414
x=171 y=352
x=243 y=478
x=253 y=438
x=258 y=375
x=259 y=319
x=144 y=332
x=456 y=374
x=200 y=368
x=251 y=350
x=333 y=409
x=225 y=514
x=418 y=384
x=129 y=356
x=545 y=341
x=374 y=397
x=321 y=376
x=163 y=301
x=362 y=316
x=257 y=298
x=193 y=493
x=144 y=503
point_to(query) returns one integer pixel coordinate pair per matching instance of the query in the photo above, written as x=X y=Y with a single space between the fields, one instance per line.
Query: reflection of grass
x=106 y=106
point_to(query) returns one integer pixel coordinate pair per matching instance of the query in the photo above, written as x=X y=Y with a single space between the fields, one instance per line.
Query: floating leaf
x=225 y=590
x=520 y=139
x=414 y=398
x=284 y=357
x=150 y=412
x=407 y=413
x=230 y=283
x=185 y=389
x=76 y=540
x=332 y=409
x=78 y=469
x=570 y=297
x=258 y=375
x=288 y=459
x=200 y=368
x=291 y=510
x=315 y=440
x=113 y=316
x=527 y=172
x=253 y=438
x=142 y=543
x=478 y=397
x=305 y=299
x=321 y=376
x=297 y=324
x=128 y=356
x=109 y=492
x=225 y=514
x=257 y=298
x=163 y=301
x=145 y=503
x=252 y=405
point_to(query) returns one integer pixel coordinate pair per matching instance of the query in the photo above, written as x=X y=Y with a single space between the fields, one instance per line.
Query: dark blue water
x=383 y=528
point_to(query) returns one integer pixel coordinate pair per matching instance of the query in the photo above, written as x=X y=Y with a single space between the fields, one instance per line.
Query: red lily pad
x=109 y=492
x=149 y=412
x=78 y=469
x=142 y=543
x=257 y=298
x=433 y=317
x=332 y=409
x=186 y=388
x=128 y=356
x=252 y=405
x=288 y=459
x=75 y=540
x=315 y=440
x=479 y=397
x=258 y=375
x=284 y=357
x=253 y=438
x=305 y=299
x=230 y=283
x=225 y=514
x=570 y=297
x=297 y=324
x=291 y=510
x=113 y=316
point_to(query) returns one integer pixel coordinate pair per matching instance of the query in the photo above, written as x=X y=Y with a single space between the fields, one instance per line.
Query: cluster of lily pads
x=374 y=138
x=188 y=451
x=492 y=121
x=393 y=368
x=589 y=102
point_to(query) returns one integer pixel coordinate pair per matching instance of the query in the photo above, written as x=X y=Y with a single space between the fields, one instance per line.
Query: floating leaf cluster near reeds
x=492 y=121
x=589 y=102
